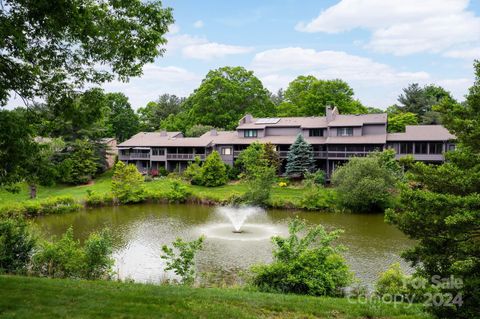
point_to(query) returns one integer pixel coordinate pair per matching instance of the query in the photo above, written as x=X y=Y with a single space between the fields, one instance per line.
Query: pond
x=140 y=231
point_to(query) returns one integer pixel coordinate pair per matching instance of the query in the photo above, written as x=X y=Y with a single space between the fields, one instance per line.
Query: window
x=406 y=148
x=250 y=133
x=158 y=151
x=451 y=147
x=421 y=148
x=436 y=148
x=315 y=132
x=226 y=151
x=345 y=131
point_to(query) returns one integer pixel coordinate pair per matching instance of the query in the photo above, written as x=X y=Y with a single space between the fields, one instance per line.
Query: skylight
x=269 y=120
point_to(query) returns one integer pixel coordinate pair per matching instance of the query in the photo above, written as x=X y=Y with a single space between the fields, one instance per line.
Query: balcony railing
x=187 y=157
x=133 y=156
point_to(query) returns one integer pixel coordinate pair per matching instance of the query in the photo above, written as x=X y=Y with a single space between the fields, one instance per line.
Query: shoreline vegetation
x=27 y=297
x=66 y=198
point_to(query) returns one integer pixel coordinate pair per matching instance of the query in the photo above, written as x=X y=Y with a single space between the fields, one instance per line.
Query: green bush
x=178 y=193
x=365 y=184
x=318 y=177
x=127 y=184
x=51 y=205
x=97 y=200
x=316 y=197
x=66 y=258
x=162 y=171
x=304 y=265
x=214 y=172
x=260 y=182
x=17 y=244
x=182 y=261
x=194 y=172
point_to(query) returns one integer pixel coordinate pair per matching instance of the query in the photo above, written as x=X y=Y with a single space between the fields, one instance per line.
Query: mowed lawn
x=28 y=297
x=102 y=185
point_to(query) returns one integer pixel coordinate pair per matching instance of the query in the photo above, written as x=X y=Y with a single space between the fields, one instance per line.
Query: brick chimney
x=330 y=113
x=248 y=118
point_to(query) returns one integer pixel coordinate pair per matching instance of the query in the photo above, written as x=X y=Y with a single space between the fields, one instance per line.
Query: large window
x=345 y=131
x=436 y=148
x=406 y=148
x=158 y=151
x=250 y=133
x=421 y=148
x=315 y=132
x=226 y=151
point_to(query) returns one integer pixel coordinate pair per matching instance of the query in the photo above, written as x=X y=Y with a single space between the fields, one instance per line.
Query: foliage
x=127 y=183
x=198 y=130
x=271 y=156
x=316 y=197
x=397 y=123
x=213 y=171
x=17 y=244
x=81 y=164
x=440 y=209
x=251 y=157
x=193 y=172
x=259 y=182
x=318 y=178
x=53 y=50
x=300 y=158
x=153 y=113
x=225 y=95
x=122 y=121
x=50 y=205
x=308 y=96
x=307 y=264
x=182 y=261
x=97 y=200
x=178 y=192
x=365 y=184
x=66 y=258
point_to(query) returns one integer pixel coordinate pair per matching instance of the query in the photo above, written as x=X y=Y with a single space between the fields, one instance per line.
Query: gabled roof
x=358 y=120
x=422 y=133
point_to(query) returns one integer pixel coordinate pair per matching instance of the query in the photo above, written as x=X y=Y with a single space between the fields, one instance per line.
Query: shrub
x=81 y=165
x=66 y=258
x=318 y=177
x=194 y=172
x=282 y=184
x=179 y=192
x=127 y=184
x=365 y=184
x=162 y=171
x=304 y=265
x=153 y=172
x=51 y=205
x=259 y=183
x=96 y=200
x=182 y=262
x=316 y=197
x=213 y=171
x=17 y=244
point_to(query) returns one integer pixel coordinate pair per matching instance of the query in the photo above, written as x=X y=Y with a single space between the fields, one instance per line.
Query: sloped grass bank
x=26 y=297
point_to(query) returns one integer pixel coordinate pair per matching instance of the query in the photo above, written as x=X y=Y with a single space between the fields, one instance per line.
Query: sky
x=377 y=46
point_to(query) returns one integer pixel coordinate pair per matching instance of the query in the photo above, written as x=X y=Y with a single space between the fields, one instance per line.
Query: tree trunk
x=33 y=191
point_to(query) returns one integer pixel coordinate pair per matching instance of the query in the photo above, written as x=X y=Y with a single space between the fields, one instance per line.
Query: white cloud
x=200 y=48
x=402 y=26
x=469 y=54
x=198 y=24
x=155 y=81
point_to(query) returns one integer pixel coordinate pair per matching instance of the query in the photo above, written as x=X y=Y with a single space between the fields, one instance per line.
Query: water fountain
x=245 y=223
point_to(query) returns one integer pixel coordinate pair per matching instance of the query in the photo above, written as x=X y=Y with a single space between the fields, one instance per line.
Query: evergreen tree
x=214 y=172
x=300 y=158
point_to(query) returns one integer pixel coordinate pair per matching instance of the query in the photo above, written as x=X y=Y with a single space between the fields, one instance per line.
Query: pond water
x=140 y=231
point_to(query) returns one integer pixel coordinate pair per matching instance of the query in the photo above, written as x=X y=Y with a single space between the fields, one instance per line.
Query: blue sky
x=377 y=46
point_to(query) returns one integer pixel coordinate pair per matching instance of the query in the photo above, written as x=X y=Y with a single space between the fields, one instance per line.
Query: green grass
x=27 y=297
x=102 y=185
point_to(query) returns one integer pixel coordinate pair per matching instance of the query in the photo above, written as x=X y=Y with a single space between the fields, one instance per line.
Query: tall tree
x=397 y=123
x=300 y=158
x=51 y=48
x=122 y=120
x=440 y=209
x=154 y=112
x=225 y=95
x=308 y=96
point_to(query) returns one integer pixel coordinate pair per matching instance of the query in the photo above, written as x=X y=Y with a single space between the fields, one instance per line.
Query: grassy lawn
x=103 y=184
x=23 y=297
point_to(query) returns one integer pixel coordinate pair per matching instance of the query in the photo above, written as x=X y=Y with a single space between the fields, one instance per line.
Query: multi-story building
x=335 y=138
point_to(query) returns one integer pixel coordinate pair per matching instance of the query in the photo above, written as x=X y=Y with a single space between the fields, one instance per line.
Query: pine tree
x=300 y=158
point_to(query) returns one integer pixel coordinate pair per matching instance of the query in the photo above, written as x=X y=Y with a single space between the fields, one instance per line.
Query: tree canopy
x=51 y=48
x=154 y=112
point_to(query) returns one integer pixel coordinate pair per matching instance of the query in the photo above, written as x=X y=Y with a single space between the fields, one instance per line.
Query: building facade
x=335 y=138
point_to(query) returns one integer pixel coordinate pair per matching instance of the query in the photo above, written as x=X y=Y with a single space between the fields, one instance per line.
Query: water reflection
x=140 y=231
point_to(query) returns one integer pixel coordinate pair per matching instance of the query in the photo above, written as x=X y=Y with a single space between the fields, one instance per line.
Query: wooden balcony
x=134 y=156
x=185 y=157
